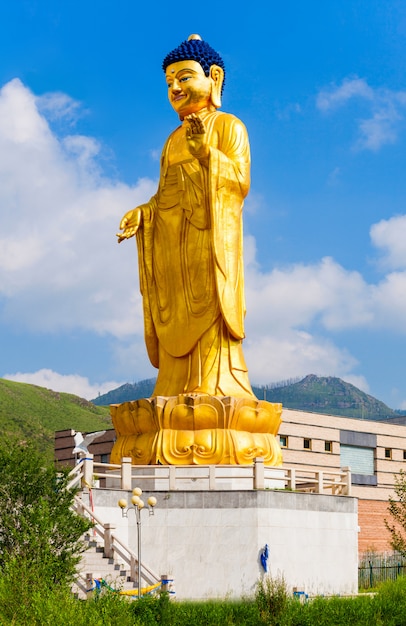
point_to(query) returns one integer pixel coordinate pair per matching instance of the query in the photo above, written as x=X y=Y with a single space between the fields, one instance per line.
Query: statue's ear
x=217 y=77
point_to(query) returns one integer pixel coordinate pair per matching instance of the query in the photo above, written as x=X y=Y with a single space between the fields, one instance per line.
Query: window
x=328 y=446
x=361 y=460
x=388 y=453
x=283 y=440
x=404 y=455
x=358 y=451
x=104 y=458
x=307 y=444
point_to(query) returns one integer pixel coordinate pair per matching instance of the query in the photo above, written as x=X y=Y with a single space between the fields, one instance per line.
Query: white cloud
x=334 y=97
x=59 y=106
x=254 y=203
x=385 y=110
x=378 y=130
x=155 y=154
x=357 y=381
x=294 y=312
x=389 y=237
x=334 y=177
x=133 y=353
x=390 y=302
x=71 y=383
x=289 y=354
x=286 y=112
x=60 y=265
x=294 y=296
x=282 y=308
x=389 y=295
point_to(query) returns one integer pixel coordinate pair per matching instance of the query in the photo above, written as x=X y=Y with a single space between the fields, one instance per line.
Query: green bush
x=397 y=509
x=39 y=604
x=151 y=610
x=272 y=599
x=39 y=531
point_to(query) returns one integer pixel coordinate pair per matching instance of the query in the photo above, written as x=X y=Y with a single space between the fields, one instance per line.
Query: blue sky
x=321 y=87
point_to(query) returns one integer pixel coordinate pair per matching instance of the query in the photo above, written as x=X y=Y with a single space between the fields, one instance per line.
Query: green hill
x=34 y=413
x=316 y=394
x=327 y=395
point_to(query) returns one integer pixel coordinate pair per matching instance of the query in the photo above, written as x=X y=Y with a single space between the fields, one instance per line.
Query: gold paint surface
x=196 y=430
x=190 y=258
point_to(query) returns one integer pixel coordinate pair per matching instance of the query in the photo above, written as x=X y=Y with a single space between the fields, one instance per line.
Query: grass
x=28 y=412
x=271 y=606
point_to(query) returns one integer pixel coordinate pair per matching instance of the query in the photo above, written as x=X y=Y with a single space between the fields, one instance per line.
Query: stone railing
x=209 y=477
x=113 y=547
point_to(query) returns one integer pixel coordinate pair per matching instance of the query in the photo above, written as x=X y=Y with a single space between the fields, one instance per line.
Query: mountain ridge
x=313 y=393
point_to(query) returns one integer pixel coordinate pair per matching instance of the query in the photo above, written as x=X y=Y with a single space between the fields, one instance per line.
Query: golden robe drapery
x=191 y=263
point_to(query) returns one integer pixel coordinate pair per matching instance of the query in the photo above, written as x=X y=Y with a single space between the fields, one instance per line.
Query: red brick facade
x=373 y=533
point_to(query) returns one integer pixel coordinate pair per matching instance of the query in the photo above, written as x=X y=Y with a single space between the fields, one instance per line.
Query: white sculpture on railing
x=82 y=443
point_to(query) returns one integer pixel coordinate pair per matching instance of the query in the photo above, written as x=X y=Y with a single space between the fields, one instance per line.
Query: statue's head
x=197 y=71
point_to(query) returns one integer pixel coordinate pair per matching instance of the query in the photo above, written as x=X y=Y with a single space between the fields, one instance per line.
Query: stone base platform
x=210 y=542
x=195 y=429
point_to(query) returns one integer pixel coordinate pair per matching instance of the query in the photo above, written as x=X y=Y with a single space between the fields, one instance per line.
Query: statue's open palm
x=197 y=137
x=130 y=224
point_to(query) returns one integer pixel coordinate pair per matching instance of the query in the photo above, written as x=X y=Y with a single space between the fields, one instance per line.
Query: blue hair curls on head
x=195 y=50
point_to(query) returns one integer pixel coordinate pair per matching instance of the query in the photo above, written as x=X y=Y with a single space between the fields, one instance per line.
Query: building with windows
x=374 y=451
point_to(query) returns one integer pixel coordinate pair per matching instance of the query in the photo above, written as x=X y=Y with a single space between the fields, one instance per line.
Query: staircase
x=107 y=557
x=95 y=565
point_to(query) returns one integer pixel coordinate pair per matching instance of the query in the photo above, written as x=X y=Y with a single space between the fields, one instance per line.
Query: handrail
x=112 y=543
x=82 y=506
x=317 y=481
x=82 y=583
x=77 y=474
x=196 y=477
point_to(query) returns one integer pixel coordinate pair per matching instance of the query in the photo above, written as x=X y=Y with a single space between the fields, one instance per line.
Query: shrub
x=39 y=532
x=272 y=599
x=397 y=510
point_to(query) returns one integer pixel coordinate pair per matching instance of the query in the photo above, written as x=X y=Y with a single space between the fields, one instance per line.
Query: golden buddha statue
x=189 y=238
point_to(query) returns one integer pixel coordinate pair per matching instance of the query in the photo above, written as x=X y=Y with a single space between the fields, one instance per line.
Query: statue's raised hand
x=196 y=137
x=130 y=224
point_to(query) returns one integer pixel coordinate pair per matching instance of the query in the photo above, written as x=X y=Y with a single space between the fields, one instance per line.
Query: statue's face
x=189 y=89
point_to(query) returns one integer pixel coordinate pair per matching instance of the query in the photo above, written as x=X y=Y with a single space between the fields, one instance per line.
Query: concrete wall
x=210 y=542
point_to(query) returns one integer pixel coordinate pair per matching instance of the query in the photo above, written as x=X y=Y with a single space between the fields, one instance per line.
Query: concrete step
x=94 y=564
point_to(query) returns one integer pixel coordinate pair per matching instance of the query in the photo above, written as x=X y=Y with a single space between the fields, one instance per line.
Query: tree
x=397 y=510
x=38 y=528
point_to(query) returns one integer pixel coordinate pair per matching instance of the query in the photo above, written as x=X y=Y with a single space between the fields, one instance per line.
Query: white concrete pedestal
x=210 y=542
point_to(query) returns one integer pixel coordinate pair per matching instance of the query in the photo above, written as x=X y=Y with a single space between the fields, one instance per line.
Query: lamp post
x=138 y=506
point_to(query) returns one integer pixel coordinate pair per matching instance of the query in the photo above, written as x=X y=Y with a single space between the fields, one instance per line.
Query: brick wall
x=373 y=533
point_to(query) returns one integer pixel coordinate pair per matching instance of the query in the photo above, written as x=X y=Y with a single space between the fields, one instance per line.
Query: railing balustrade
x=212 y=477
x=113 y=544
